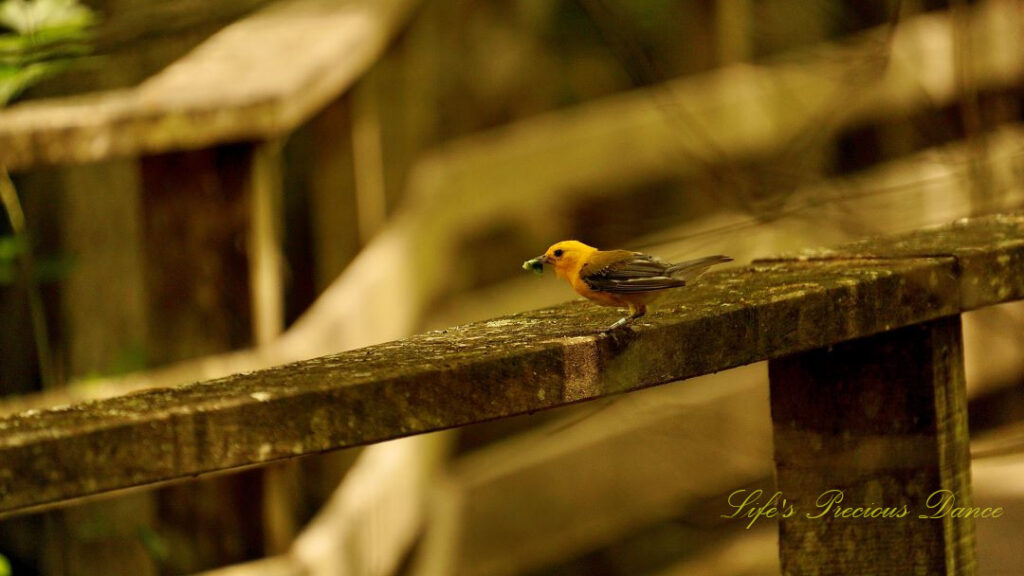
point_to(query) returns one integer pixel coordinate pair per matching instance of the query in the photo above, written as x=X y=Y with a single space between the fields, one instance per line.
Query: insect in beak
x=536 y=265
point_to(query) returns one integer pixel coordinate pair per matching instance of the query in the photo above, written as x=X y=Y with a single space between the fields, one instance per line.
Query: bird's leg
x=618 y=323
x=635 y=311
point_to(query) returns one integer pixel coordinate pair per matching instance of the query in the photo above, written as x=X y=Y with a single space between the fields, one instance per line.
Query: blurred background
x=361 y=171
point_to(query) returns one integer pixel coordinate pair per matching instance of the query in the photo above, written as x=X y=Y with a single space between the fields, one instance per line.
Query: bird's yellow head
x=567 y=255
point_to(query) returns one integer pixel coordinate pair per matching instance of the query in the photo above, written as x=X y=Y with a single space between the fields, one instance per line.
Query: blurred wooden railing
x=231 y=89
x=245 y=83
x=190 y=166
x=224 y=93
x=865 y=361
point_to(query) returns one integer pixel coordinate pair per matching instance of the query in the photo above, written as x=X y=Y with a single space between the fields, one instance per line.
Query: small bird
x=618 y=277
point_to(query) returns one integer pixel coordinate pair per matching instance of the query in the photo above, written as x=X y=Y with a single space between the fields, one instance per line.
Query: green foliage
x=5 y=566
x=11 y=248
x=155 y=544
x=44 y=271
x=45 y=16
x=38 y=38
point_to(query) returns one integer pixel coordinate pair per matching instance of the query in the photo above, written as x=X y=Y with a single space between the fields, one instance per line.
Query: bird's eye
x=558 y=253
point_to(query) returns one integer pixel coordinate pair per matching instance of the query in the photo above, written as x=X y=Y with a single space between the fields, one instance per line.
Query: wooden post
x=281 y=482
x=331 y=191
x=209 y=271
x=874 y=427
x=266 y=220
x=196 y=215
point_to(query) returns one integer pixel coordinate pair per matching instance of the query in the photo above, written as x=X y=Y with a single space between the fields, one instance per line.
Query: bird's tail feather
x=692 y=269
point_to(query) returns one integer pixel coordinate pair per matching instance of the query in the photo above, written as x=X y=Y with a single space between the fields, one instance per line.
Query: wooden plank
x=513 y=365
x=996 y=483
x=376 y=515
x=281 y=482
x=102 y=329
x=195 y=209
x=231 y=88
x=1004 y=282
x=869 y=436
x=431 y=227
x=540 y=527
x=103 y=325
x=259 y=77
x=210 y=265
x=327 y=144
x=750 y=110
x=558 y=489
x=283 y=565
x=265 y=252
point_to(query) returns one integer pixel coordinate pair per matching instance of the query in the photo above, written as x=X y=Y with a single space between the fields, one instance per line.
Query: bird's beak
x=536 y=265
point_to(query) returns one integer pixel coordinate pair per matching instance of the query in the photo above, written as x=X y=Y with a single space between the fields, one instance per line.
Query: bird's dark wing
x=692 y=269
x=624 y=272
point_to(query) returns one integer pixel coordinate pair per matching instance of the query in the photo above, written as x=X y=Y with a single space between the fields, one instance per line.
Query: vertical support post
x=871 y=435
x=281 y=482
x=368 y=158
x=196 y=219
x=203 y=210
x=103 y=321
x=733 y=21
x=265 y=259
x=331 y=186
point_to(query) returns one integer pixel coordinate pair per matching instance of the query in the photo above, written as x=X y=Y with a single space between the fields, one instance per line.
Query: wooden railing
x=789 y=310
x=229 y=89
x=865 y=360
x=187 y=171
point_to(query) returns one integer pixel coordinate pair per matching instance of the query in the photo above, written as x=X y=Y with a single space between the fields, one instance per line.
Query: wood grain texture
x=259 y=77
x=513 y=365
x=877 y=424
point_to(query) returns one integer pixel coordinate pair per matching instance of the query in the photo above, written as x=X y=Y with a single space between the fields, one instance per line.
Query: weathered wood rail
x=229 y=89
x=189 y=168
x=793 y=311
x=238 y=101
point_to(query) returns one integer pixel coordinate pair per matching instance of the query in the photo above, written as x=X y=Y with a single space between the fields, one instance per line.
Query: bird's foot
x=619 y=323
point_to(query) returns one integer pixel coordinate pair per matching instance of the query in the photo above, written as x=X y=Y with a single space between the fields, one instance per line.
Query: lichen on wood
x=518 y=364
